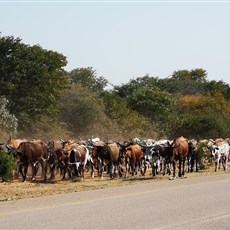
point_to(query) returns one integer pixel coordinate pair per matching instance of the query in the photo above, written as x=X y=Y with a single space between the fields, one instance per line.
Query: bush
x=7 y=166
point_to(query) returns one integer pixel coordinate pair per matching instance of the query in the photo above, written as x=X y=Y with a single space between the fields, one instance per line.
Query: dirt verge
x=16 y=189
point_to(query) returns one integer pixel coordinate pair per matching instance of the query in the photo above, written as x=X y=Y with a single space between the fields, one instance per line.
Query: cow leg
x=52 y=170
x=145 y=168
x=83 y=171
x=136 y=167
x=69 y=171
x=179 y=173
x=169 y=168
x=20 y=169
x=183 y=167
x=196 y=164
x=216 y=166
x=188 y=162
x=64 y=172
x=133 y=168
x=25 y=172
x=224 y=163
x=101 y=167
x=115 y=170
x=174 y=168
x=154 y=169
x=158 y=167
x=163 y=165
x=101 y=172
x=126 y=169
x=110 y=169
x=44 y=170
x=92 y=170
x=120 y=170
x=192 y=164
x=75 y=170
x=34 y=170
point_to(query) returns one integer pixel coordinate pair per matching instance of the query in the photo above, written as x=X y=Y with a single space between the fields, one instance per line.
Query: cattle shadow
x=139 y=178
x=39 y=181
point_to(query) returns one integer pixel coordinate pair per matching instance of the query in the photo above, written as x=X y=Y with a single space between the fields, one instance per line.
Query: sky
x=123 y=40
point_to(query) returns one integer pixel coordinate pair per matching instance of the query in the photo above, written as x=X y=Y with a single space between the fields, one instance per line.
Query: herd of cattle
x=117 y=159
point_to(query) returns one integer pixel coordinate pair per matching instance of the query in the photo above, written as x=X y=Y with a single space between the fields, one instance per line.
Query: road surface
x=193 y=203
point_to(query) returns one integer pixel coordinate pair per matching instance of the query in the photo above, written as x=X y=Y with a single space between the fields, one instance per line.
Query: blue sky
x=124 y=40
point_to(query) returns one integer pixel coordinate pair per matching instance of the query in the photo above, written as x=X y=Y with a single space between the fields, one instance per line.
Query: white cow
x=220 y=154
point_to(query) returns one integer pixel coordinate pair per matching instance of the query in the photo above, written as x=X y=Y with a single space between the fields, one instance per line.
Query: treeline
x=40 y=99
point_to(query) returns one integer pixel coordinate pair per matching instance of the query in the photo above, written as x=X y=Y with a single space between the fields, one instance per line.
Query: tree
x=185 y=82
x=31 y=78
x=87 y=77
x=214 y=87
x=83 y=112
x=202 y=116
x=129 y=122
x=134 y=84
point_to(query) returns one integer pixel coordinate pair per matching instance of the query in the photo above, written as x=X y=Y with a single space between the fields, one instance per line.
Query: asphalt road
x=192 y=203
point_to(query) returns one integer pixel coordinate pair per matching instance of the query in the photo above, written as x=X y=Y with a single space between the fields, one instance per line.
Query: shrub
x=7 y=166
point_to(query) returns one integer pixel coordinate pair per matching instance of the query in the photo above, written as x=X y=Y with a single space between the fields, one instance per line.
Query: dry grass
x=18 y=190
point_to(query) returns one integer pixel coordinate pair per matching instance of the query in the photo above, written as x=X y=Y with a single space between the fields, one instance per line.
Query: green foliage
x=202 y=116
x=83 y=112
x=127 y=89
x=7 y=166
x=31 y=78
x=129 y=122
x=214 y=87
x=185 y=82
x=44 y=101
x=87 y=77
x=153 y=103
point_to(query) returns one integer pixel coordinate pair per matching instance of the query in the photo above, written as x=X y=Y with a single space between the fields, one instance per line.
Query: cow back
x=135 y=152
x=180 y=147
x=114 y=150
x=32 y=151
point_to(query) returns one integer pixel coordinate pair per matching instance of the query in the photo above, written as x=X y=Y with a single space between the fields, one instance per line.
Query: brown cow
x=180 y=149
x=32 y=153
x=106 y=154
x=134 y=158
x=63 y=157
x=54 y=152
